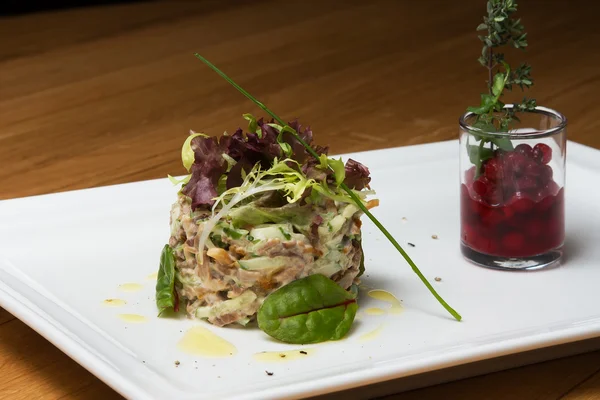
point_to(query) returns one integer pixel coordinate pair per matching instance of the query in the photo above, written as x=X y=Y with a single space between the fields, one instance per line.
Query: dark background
x=16 y=7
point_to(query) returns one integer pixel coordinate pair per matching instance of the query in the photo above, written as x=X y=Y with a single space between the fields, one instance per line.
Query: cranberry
x=508 y=212
x=534 y=228
x=544 y=203
x=526 y=183
x=549 y=189
x=492 y=218
x=521 y=203
x=476 y=205
x=517 y=221
x=524 y=149
x=514 y=164
x=481 y=186
x=499 y=153
x=533 y=169
x=507 y=168
x=469 y=175
x=508 y=187
x=542 y=152
x=493 y=169
x=513 y=241
x=494 y=196
x=483 y=243
x=486 y=190
x=519 y=165
x=553 y=188
x=546 y=173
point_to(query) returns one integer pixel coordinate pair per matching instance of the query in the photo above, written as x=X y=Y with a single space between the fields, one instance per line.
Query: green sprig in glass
x=492 y=116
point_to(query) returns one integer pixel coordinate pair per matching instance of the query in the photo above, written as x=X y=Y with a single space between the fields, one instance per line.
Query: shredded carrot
x=372 y=203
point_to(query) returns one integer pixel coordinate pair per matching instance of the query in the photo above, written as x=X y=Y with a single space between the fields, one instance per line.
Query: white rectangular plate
x=62 y=254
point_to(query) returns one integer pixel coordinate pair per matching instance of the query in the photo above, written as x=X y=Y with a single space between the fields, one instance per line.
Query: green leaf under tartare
x=309 y=310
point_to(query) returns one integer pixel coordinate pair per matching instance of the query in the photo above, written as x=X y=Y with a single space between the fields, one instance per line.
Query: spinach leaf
x=166 y=298
x=310 y=310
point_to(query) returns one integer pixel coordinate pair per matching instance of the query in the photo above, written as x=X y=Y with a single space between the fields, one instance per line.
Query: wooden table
x=106 y=95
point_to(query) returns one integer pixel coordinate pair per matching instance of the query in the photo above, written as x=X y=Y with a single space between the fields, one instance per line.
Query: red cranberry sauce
x=513 y=208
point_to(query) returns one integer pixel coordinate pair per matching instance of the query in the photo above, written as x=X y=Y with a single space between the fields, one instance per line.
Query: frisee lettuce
x=218 y=164
x=252 y=124
x=280 y=177
x=176 y=181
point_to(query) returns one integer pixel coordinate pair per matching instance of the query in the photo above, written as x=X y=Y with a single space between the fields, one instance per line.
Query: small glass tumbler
x=512 y=191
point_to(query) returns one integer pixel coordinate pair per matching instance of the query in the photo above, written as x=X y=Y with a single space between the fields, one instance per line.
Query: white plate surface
x=61 y=255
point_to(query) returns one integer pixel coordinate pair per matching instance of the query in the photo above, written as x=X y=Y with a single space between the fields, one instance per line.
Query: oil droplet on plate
x=374 y=311
x=133 y=318
x=388 y=298
x=283 y=356
x=202 y=342
x=114 y=302
x=130 y=287
x=152 y=276
x=371 y=335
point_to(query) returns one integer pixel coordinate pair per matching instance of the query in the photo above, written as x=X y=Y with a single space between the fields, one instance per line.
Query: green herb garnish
x=492 y=115
x=342 y=185
x=218 y=241
x=166 y=298
x=232 y=233
x=309 y=310
x=286 y=235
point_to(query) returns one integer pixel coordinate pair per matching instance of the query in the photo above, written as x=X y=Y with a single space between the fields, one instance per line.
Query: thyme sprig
x=354 y=197
x=503 y=29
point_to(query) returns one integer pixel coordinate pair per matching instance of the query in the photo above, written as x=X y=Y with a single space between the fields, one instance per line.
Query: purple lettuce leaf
x=299 y=152
x=357 y=175
x=209 y=165
x=251 y=148
x=248 y=149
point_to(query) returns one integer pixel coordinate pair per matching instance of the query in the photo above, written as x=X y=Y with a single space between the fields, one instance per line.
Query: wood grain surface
x=104 y=95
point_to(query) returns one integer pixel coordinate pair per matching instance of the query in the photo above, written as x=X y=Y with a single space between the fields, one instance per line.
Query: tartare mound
x=258 y=249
